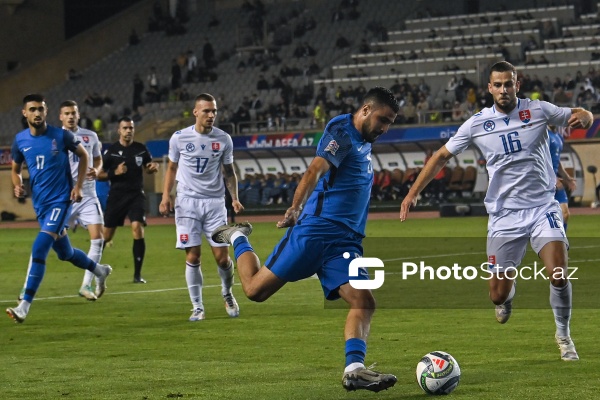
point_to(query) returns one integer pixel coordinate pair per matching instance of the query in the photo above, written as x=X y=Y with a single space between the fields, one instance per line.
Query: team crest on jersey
x=332 y=147
x=525 y=116
x=190 y=147
x=86 y=139
x=138 y=161
x=183 y=238
x=216 y=146
x=54 y=147
x=489 y=125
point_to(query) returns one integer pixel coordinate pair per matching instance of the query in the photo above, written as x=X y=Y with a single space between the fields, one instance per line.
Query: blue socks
x=240 y=246
x=356 y=350
x=66 y=252
x=39 y=253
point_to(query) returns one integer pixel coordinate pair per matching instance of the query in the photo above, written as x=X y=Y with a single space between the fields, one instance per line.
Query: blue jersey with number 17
x=515 y=147
x=47 y=159
x=343 y=194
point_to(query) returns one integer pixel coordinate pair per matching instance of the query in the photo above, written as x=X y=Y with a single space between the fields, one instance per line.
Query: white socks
x=226 y=278
x=353 y=366
x=193 y=277
x=561 y=303
x=236 y=235
x=95 y=253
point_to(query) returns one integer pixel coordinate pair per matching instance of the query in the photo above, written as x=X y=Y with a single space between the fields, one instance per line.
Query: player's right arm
x=317 y=168
x=17 y=180
x=166 y=204
x=15 y=173
x=431 y=169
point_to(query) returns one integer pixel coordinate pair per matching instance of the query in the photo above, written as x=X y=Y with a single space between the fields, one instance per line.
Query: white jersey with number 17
x=199 y=157
x=515 y=147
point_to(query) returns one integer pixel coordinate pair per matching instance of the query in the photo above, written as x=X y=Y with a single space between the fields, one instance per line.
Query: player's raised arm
x=431 y=169
x=315 y=171
x=581 y=118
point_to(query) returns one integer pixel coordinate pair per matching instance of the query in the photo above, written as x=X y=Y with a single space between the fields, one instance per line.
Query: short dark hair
x=381 y=95
x=503 y=66
x=205 y=97
x=124 y=119
x=33 y=97
x=68 y=103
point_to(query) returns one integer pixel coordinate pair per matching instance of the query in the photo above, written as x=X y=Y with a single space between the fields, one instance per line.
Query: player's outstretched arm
x=431 y=169
x=307 y=184
x=581 y=118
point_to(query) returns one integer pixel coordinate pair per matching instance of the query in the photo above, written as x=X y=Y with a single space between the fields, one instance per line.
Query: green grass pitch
x=136 y=342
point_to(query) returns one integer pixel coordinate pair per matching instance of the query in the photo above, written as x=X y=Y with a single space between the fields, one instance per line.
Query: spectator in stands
x=94 y=100
x=341 y=42
x=133 y=38
x=462 y=86
x=175 y=75
x=458 y=113
x=409 y=111
x=262 y=83
x=138 y=89
x=191 y=66
x=320 y=115
x=560 y=97
x=73 y=75
x=208 y=55
x=98 y=125
x=364 y=47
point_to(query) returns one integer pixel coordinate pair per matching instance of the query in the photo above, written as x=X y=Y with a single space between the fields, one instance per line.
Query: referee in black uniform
x=123 y=165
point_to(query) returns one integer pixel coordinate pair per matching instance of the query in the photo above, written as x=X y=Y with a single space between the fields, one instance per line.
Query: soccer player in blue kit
x=44 y=149
x=327 y=224
x=512 y=135
x=563 y=178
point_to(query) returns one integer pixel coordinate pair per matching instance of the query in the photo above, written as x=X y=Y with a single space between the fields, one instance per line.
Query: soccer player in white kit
x=88 y=212
x=196 y=155
x=520 y=198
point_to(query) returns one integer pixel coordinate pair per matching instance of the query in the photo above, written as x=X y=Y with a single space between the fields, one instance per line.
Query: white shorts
x=194 y=217
x=87 y=212
x=510 y=230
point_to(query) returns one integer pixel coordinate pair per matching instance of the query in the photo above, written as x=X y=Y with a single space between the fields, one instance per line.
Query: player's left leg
x=356 y=331
x=91 y=217
x=258 y=283
x=215 y=216
x=549 y=241
x=139 y=250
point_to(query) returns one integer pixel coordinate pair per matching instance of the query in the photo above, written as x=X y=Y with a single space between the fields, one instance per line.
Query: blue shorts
x=316 y=246
x=561 y=196
x=53 y=217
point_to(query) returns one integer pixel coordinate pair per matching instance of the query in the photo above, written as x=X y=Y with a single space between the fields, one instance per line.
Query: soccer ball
x=438 y=373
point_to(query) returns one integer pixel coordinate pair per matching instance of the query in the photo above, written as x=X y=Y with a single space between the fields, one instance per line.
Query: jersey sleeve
x=106 y=161
x=461 y=140
x=147 y=157
x=228 y=154
x=556 y=115
x=70 y=140
x=174 y=148
x=16 y=154
x=334 y=146
x=96 y=148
